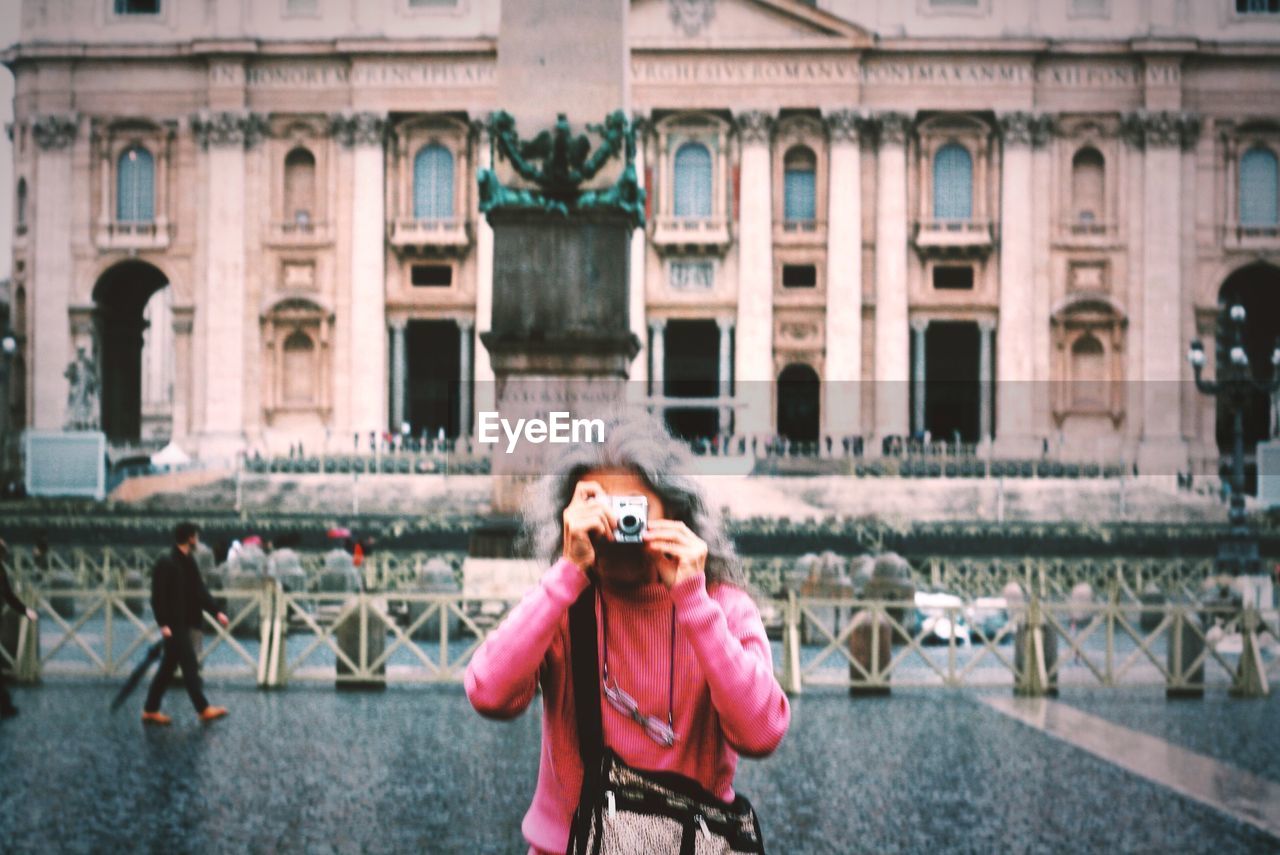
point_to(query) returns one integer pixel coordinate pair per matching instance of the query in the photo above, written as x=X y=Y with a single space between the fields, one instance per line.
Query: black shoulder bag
x=627 y=811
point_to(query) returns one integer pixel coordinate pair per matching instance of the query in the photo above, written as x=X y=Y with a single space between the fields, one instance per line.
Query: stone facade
x=301 y=252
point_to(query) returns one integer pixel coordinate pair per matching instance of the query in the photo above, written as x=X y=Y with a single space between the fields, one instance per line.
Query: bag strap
x=585 y=661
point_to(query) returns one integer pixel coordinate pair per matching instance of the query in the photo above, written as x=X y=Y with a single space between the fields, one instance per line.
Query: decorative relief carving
x=55 y=131
x=892 y=127
x=1023 y=128
x=1162 y=128
x=844 y=125
x=691 y=16
x=352 y=129
x=228 y=128
x=754 y=126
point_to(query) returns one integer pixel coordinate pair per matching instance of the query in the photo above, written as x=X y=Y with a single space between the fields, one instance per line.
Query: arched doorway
x=1257 y=288
x=799 y=394
x=121 y=297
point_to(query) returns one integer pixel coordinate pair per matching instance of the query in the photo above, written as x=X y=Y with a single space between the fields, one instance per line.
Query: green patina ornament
x=558 y=162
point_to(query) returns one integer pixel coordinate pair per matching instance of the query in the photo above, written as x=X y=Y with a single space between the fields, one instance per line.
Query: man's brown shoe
x=155 y=718
x=213 y=713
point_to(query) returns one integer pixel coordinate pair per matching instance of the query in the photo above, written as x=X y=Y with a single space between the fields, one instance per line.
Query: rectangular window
x=1258 y=7
x=1089 y=8
x=300 y=7
x=799 y=276
x=431 y=275
x=953 y=278
x=137 y=7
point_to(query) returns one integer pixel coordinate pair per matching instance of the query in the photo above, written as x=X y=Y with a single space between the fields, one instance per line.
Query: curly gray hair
x=639 y=442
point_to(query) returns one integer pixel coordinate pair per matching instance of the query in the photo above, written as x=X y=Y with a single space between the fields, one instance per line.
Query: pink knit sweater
x=727 y=701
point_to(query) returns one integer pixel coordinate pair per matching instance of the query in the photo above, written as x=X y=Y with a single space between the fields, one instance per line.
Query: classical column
x=637 y=290
x=919 y=329
x=1163 y=135
x=986 y=332
x=842 y=413
x=892 y=347
x=363 y=133
x=657 y=353
x=754 y=371
x=466 y=336
x=224 y=136
x=182 y=326
x=399 y=372
x=724 y=371
x=1015 y=335
x=485 y=399
x=50 y=328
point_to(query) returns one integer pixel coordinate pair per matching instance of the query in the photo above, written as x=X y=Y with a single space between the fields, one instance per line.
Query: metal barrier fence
x=866 y=646
x=398 y=571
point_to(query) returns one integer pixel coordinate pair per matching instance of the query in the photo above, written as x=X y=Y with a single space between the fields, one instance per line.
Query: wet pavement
x=416 y=770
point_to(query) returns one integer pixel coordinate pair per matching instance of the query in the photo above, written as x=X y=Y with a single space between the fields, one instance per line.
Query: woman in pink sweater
x=681 y=635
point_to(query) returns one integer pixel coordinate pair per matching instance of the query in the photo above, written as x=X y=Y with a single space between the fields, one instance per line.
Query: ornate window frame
x=933 y=236
x=1238 y=138
x=430 y=237
x=811 y=133
x=1072 y=320
x=111 y=138
x=282 y=316
x=668 y=232
x=289 y=133
x=1077 y=133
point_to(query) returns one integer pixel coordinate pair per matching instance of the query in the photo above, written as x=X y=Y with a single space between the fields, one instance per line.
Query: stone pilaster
x=658 y=355
x=1162 y=136
x=892 y=351
x=842 y=411
x=724 y=370
x=1015 y=334
x=362 y=134
x=986 y=377
x=484 y=386
x=223 y=137
x=399 y=373
x=919 y=376
x=754 y=368
x=636 y=287
x=466 y=347
x=50 y=345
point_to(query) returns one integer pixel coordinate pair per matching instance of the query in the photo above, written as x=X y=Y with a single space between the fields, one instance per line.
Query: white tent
x=170 y=455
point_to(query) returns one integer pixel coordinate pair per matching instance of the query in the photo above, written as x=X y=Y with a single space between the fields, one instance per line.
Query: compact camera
x=632 y=513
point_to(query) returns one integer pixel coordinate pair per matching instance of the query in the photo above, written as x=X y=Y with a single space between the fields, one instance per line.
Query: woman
x=686 y=649
x=9 y=598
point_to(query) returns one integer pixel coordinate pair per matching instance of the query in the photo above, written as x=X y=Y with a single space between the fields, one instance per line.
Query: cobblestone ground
x=416 y=770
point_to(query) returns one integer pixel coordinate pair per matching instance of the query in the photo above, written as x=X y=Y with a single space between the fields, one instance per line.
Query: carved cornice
x=352 y=129
x=1023 y=128
x=1164 y=128
x=754 y=126
x=55 y=130
x=892 y=127
x=844 y=125
x=228 y=128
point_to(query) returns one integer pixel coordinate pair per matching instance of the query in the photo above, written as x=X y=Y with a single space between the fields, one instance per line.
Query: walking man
x=178 y=599
x=9 y=598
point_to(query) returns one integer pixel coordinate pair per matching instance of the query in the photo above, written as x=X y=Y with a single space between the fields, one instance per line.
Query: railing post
x=1251 y=674
x=269 y=643
x=791 y=647
x=26 y=666
x=1033 y=680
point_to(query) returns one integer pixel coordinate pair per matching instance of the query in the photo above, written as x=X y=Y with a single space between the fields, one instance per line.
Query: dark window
x=953 y=278
x=432 y=275
x=137 y=7
x=1258 y=7
x=799 y=276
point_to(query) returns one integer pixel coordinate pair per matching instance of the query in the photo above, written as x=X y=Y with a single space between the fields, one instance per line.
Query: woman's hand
x=586 y=516
x=677 y=551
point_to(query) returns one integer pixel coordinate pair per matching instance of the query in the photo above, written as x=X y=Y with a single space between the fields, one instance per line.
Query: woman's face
x=625 y=564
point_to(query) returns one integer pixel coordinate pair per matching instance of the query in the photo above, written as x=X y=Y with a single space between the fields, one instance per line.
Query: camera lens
x=629 y=523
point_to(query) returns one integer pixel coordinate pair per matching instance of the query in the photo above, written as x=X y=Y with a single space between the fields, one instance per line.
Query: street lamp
x=1235 y=386
x=1238 y=548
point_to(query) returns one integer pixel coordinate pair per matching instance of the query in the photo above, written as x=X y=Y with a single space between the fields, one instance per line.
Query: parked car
x=938 y=618
x=987 y=616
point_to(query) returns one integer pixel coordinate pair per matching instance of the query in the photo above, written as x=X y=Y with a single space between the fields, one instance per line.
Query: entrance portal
x=952 y=392
x=121 y=297
x=1257 y=289
x=691 y=371
x=431 y=386
x=799 y=394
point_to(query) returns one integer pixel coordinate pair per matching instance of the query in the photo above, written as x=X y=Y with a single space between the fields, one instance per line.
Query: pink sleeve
x=503 y=673
x=736 y=660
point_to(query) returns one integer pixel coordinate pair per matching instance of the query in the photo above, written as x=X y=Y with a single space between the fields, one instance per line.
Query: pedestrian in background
x=10 y=599
x=178 y=599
